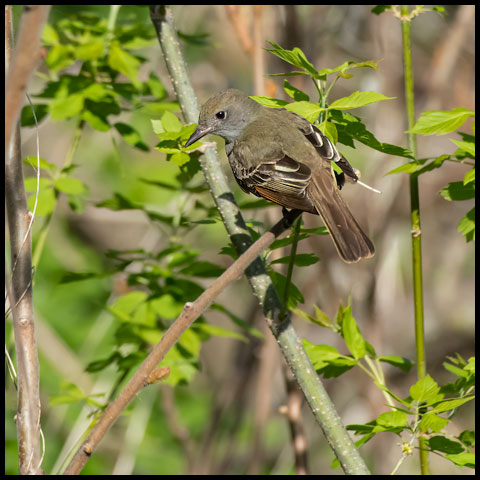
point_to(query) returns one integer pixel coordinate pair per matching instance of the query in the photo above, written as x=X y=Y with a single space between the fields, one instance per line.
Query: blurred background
x=228 y=420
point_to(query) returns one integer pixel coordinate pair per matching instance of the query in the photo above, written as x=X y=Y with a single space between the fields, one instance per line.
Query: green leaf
x=80 y=276
x=351 y=333
x=467 y=437
x=70 y=185
x=71 y=393
x=219 y=331
x=97 y=92
x=440 y=443
x=321 y=318
x=469 y=176
x=180 y=158
x=432 y=422
x=447 y=405
x=393 y=419
x=44 y=165
x=465 y=459
x=240 y=322
x=50 y=35
x=269 y=101
x=183 y=365
x=157 y=88
x=308 y=110
x=123 y=62
x=168 y=146
x=295 y=57
x=127 y=304
x=90 y=51
x=60 y=56
x=157 y=126
x=171 y=123
x=118 y=202
x=294 y=294
x=358 y=99
x=31 y=184
x=131 y=136
x=380 y=9
x=425 y=390
x=301 y=259
x=458 y=191
x=28 y=120
x=467 y=225
x=66 y=107
x=46 y=202
x=96 y=113
x=200 y=39
x=409 y=167
x=440 y=122
x=166 y=306
x=467 y=147
x=401 y=362
x=349 y=126
x=330 y=130
x=202 y=269
x=294 y=92
x=285 y=241
x=183 y=257
x=327 y=360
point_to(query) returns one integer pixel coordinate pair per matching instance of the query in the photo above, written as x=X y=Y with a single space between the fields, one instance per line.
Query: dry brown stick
x=293 y=412
x=190 y=313
x=19 y=222
x=26 y=56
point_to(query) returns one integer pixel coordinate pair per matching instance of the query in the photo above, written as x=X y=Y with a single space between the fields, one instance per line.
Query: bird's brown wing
x=281 y=180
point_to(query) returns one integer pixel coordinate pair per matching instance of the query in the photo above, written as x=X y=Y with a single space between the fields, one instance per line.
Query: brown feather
x=351 y=242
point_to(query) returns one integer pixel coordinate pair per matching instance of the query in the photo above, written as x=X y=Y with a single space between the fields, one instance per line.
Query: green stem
x=291 y=263
x=415 y=221
x=112 y=20
x=43 y=232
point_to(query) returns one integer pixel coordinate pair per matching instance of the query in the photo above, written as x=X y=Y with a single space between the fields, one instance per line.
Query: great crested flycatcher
x=279 y=155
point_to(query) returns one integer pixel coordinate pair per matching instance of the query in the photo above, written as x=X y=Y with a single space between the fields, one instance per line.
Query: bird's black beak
x=198 y=134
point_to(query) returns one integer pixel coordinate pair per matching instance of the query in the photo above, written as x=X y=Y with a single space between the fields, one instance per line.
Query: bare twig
x=190 y=313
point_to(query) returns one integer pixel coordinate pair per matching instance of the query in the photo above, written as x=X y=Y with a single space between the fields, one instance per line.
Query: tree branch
x=190 y=313
x=263 y=288
x=19 y=220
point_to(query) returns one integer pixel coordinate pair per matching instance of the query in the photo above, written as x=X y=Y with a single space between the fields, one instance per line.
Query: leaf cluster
x=428 y=408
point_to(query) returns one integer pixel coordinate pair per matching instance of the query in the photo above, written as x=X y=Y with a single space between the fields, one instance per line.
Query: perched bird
x=279 y=155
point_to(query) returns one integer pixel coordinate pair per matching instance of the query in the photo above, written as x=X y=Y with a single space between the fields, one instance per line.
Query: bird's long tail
x=351 y=242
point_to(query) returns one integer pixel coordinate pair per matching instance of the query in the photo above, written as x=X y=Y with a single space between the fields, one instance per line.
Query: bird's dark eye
x=221 y=115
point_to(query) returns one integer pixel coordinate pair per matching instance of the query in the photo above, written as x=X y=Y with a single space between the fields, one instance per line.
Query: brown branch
x=240 y=26
x=190 y=313
x=19 y=220
x=25 y=58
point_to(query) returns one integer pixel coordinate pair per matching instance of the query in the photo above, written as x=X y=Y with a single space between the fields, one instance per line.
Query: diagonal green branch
x=289 y=343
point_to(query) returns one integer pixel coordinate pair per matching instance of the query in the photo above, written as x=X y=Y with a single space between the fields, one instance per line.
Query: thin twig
x=190 y=313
